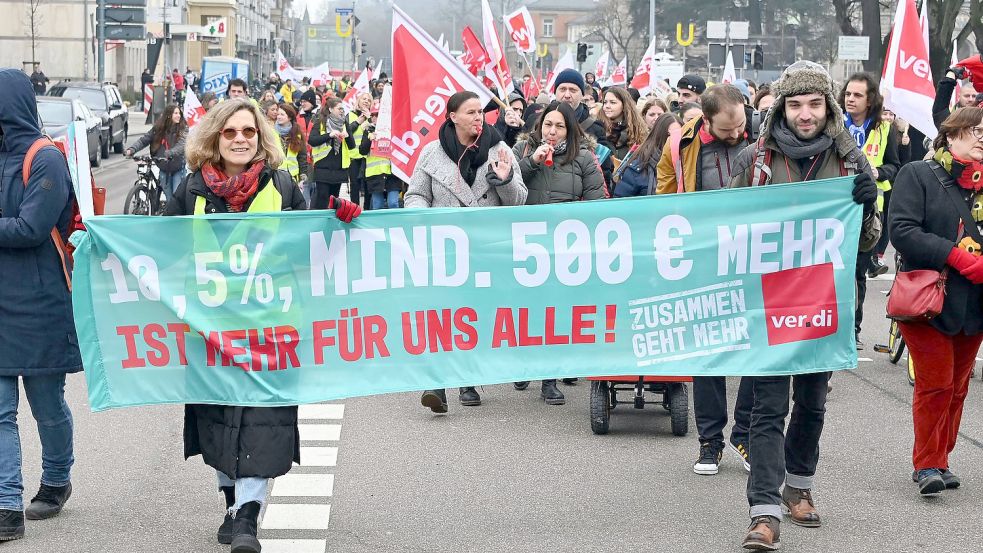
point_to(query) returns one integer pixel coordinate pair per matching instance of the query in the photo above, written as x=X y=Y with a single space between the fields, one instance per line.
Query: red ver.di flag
x=424 y=77
x=498 y=68
x=475 y=58
x=907 y=82
x=522 y=30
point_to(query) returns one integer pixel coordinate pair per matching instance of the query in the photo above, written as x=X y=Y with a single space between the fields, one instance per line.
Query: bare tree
x=34 y=20
x=616 y=24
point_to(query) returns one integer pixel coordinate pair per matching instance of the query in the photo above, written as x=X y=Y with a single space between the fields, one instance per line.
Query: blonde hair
x=203 y=140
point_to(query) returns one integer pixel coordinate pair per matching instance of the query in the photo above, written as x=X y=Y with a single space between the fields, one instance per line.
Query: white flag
x=565 y=62
x=601 y=67
x=730 y=74
x=643 y=73
x=620 y=74
x=361 y=86
x=498 y=68
x=522 y=30
x=193 y=110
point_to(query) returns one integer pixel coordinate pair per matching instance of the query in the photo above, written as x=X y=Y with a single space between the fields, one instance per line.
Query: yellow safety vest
x=354 y=154
x=320 y=152
x=290 y=163
x=267 y=200
x=874 y=150
x=375 y=166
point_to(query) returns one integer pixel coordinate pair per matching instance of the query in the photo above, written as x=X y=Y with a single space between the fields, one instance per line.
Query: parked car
x=105 y=101
x=57 y=113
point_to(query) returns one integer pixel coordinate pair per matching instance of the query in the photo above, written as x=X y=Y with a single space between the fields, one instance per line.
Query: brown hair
x=718 y=97
x=762 y=91
x=650 y=151
x=958 y=122
x=653 y=101
x=634 y=124
x=875 y=102
x=295 y=141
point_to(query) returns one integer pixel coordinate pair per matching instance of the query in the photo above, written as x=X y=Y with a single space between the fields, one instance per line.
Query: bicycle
x=147 y=195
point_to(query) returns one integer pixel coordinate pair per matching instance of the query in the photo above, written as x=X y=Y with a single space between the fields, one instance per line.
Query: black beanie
x=570 y=76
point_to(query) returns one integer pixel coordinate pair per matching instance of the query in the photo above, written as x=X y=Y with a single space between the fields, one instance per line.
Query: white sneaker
x=709 y=462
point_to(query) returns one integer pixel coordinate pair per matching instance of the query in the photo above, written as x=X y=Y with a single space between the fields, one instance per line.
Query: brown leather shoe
x=763 y=534
x=798 y=503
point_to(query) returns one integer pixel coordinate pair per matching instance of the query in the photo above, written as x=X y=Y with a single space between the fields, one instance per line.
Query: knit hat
x=309 y=96
x=741 y=85
x=570 y=76
x=692 y=82
x=806 y=77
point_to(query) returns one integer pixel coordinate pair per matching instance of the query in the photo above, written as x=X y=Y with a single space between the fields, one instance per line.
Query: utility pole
x=651 y=20
x=163 y=17
x=85 y=40
x=101 y=36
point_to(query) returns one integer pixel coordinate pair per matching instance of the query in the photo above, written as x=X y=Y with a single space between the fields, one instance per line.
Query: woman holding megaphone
x=558 y=165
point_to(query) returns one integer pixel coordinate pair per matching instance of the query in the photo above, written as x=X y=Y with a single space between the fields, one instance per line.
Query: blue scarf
x=859 y=132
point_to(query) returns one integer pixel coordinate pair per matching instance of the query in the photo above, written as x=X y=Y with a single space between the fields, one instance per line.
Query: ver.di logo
x=800 y=304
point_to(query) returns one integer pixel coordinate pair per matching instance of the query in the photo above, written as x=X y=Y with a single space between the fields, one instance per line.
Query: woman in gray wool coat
x=469 y=166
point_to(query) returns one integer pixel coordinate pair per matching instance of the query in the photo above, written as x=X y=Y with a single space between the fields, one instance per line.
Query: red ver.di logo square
x=800 y=304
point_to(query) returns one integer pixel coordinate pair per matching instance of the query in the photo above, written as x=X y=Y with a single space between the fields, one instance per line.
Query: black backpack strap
x=952 y=190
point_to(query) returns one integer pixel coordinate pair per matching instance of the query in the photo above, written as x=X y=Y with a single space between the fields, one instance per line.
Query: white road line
x=296 y=517
x=319 y=432
x=864 y=359
x=294 y=546
x=303 y=485
x=322 y=411
x=318 y=456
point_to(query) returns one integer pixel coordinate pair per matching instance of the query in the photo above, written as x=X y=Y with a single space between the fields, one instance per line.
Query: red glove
x=968 y=265
x=344 y=209
x=974 y=64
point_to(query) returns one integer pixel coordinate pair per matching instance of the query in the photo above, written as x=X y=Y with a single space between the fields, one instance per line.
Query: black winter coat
x=240 y=442
x=923 y=224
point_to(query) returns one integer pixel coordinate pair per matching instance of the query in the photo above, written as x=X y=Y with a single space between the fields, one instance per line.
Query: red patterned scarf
x=237 y=190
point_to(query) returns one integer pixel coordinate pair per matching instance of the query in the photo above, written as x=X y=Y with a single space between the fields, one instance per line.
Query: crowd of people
x=296 y=146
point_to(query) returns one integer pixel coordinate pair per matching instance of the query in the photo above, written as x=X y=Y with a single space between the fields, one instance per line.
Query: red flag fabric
x=475 y=58
x=907 y=84
x=425 y=76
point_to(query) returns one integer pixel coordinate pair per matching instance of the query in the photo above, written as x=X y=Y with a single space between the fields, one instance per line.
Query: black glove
x=960 y=72
x=865 y=192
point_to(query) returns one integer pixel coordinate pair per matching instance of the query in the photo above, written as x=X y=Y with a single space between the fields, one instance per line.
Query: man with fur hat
x=803 y=139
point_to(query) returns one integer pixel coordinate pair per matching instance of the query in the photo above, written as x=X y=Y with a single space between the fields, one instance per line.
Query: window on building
x=548 y=27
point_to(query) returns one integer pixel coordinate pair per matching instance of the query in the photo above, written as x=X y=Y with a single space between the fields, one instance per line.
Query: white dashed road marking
x=300 y=500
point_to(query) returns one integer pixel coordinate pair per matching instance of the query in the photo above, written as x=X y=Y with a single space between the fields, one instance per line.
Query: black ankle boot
x=48 y=502
x=551 y=394
x=11 y=525
x=244 y=530
x=469 y=397
x=225 y=530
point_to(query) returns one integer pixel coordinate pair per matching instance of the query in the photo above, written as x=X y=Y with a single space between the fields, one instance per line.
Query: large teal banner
x=297 y=307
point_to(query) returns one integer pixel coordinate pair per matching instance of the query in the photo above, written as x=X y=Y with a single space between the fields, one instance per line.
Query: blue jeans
x=391 y=199
x=46 y=395
x=247 y=489
x=170 y=181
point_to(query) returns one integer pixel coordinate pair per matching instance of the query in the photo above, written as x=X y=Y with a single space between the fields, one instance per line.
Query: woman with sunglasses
x=329 y=139
x=235 y=154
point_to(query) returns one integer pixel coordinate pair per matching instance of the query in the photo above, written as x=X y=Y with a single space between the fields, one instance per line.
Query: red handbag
x=917 y=295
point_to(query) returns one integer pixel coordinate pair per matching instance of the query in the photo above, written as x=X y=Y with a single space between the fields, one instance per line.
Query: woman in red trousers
x=927 y=230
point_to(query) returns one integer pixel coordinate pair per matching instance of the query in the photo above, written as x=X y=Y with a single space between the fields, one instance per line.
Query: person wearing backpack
x=38 y=345
x=803 y=139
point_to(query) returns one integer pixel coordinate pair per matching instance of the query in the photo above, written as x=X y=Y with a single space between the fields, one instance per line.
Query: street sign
x=343 y=11
x=125 y=32
x=854 y=48
x=738 y=30
x=125 y=15
x=192 y=37
x=126 y=2
x=216 y=28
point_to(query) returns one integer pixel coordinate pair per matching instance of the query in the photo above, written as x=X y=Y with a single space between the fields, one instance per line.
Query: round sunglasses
x=247 y=133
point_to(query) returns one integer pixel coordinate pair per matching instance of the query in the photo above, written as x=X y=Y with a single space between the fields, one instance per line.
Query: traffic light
x=759 y=57
x=581 y=52
x=590 y=49
x=747 y=59
x=364 y=49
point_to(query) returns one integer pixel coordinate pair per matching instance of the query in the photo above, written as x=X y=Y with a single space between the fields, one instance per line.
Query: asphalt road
x=512 y=475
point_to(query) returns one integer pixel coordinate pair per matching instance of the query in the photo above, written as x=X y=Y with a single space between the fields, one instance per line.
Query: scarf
x=858 y=132
x=237 y=190
x=468 y=157
x=967 y=174
x=335 y=123
x=794 y=147
x=283 y=130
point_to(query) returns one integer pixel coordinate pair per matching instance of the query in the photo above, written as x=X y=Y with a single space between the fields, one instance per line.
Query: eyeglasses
x=230 y=134
x=977 y=132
